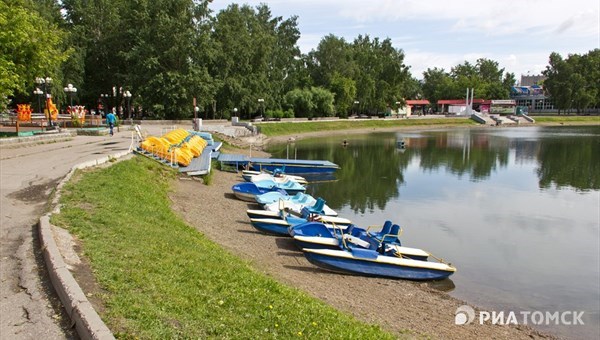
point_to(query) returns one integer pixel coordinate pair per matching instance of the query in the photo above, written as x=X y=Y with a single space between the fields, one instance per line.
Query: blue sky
x=519 y=35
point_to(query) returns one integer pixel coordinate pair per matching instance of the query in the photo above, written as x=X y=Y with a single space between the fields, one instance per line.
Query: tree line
x=574 y=83
x=167 y=52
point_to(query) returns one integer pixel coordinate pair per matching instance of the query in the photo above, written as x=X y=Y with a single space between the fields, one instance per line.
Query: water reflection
x=516 y=210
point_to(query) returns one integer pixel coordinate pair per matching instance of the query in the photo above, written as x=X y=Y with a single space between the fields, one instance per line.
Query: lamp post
x=235 y=111
x=261 y=102
x=127 y=95
x=356 y=102
x=45 y=82
x=70 y=90
x=39 y=93
x=104 y=98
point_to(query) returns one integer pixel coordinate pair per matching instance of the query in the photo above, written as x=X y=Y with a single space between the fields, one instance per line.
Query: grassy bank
x=163 y=279
x=567 y=119
x=289 y=128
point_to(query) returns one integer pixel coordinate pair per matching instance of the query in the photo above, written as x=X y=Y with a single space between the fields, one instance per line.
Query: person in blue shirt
x=111 y=120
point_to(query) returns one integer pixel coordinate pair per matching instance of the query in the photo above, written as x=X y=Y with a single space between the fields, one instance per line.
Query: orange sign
x=23 y=112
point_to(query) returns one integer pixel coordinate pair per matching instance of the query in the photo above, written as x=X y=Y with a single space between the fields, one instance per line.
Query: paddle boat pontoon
x=279 y=225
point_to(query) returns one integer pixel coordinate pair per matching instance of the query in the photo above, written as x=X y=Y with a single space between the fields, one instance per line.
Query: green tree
x=301 y=102
x=30 y=47
x=256 y=55
x=436 y=85
x=344 y=90
x=557 y=83
x=322 y=102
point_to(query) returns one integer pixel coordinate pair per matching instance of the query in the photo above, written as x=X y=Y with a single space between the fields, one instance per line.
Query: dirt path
x=395 y=304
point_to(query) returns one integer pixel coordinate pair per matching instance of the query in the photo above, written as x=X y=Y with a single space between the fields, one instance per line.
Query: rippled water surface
x=515 y=209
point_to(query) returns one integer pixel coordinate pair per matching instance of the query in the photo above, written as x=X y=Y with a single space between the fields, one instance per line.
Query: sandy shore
x=398 y=306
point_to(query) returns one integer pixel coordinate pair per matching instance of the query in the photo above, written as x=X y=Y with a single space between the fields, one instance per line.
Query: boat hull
x=347 y=262
x=271 y=226
x=296 y=169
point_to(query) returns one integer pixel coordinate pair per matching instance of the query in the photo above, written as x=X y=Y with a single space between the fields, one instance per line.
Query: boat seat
x=393 y=236
x=387 y=227
x=317 y=208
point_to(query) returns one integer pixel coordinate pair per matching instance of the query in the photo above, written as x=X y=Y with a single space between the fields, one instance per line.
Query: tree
x=436 y=85
x=256 y=58
x=557 y=82
x=344 y=90
x=300 y=100
x=322 y=102
x=22 y=58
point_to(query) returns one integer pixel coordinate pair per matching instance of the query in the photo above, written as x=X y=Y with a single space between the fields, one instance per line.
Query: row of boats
x=330 y=241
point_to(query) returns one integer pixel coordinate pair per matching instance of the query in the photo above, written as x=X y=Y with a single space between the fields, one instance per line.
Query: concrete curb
x=37 y=139
x=87 y=322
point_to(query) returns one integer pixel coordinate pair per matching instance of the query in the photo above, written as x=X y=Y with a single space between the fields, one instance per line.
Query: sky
x=519 y=35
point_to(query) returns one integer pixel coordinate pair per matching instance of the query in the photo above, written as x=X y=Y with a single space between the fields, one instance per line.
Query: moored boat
x=280 y=226
x=248 y=191
x=369 y=262
x=254 y=176
x=317 y=236
x=288 y=186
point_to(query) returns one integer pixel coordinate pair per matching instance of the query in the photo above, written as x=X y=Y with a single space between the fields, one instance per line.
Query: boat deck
x=297 y=165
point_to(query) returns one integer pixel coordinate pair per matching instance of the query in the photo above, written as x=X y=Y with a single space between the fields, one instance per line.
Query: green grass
x=279 y=129
x=163 y=279
x=568 y=119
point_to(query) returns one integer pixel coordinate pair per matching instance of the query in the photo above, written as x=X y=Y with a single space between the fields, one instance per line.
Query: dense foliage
x=485 y=77
x=574 y=82
x=168 y=52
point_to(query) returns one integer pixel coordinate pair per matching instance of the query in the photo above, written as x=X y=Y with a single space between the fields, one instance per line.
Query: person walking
x=111 y=120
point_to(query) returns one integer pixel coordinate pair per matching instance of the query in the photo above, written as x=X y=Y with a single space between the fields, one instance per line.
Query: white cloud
x=491 y=17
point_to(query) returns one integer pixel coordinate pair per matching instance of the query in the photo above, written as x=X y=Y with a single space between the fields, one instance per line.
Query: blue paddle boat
x=355 y=256
x=273 y=209
x=280 y=224
x=316 y=235
x=289 y=186
x=248 y=191
x=356 y=260
x=255 y=176
x=276 y=196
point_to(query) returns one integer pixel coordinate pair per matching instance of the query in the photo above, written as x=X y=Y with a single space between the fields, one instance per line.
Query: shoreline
x=396 y=305
x=263 y=141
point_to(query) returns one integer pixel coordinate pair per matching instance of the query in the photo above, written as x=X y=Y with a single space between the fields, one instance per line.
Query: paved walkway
x=29 y=308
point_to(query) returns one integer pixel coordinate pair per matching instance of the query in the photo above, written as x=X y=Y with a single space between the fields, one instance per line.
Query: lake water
x=516 y=210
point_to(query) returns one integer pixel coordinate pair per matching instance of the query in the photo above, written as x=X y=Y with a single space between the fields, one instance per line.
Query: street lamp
x=262 y=107
x=39 y=93
x=46 y=82
x=235 y=111
x=127 y=95
x=70 y=90
x=104 y=98
x=356 y=102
